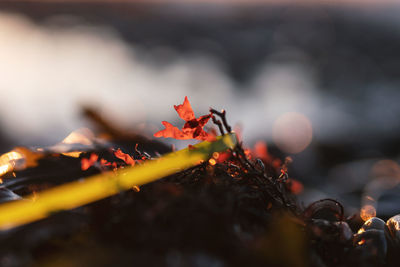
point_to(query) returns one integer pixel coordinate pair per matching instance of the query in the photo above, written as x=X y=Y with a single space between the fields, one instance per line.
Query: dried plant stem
x=219 y=124
x=277 y=189
x=222 y=115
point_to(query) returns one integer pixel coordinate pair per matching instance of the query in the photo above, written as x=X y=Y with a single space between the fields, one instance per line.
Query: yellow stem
x=81 y=192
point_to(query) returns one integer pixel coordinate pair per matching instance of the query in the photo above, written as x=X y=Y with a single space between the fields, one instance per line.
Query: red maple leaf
x=193 y=128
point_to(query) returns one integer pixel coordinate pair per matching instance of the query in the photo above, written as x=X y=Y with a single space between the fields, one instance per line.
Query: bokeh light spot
x=292 y=132
x=367 y=212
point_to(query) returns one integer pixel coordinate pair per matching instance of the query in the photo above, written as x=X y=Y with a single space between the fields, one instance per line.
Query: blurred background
x=317 y=80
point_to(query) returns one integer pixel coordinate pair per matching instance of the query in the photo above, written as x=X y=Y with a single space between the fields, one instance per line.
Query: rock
x=330 y=231
x=345 y=232
x=393 y=237
x=369 y=248
x=373 y=223
x=7 y=195
x=326 y=209
x=393 y=226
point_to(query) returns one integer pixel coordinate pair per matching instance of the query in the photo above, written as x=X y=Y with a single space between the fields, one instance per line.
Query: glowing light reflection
x=9 y=160
x=212 y=161
x=367 y=212
x=82 y=136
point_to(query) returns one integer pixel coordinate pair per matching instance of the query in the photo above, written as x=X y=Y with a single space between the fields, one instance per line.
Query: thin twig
x=222 y=115
x=276 y=186
x=219 y=124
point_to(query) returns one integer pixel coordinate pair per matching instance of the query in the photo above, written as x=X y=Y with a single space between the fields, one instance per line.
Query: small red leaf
x=125 y=157
x=170 y=131
x=185 y=110
x=294 y=186
x=104 y=162
x=204 y=136
x=261 y=151
x=87 y=163
x=223 y=156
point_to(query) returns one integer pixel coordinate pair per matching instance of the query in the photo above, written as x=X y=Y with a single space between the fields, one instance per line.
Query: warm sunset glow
x=292 y=132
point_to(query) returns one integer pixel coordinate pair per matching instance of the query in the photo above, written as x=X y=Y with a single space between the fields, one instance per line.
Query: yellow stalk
x=82 y=192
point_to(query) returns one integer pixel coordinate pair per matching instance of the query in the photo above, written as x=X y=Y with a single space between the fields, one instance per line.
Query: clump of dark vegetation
x=236 y=212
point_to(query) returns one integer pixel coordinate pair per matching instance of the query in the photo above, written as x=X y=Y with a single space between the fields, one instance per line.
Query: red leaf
x=193 y=128
x=261 y=151
x=170 y=131
x=104 y=162
x=87 y=163
x=295 y=186
x=204 y=136
x=125 y=157
x=223 y=156
x=185 y=110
